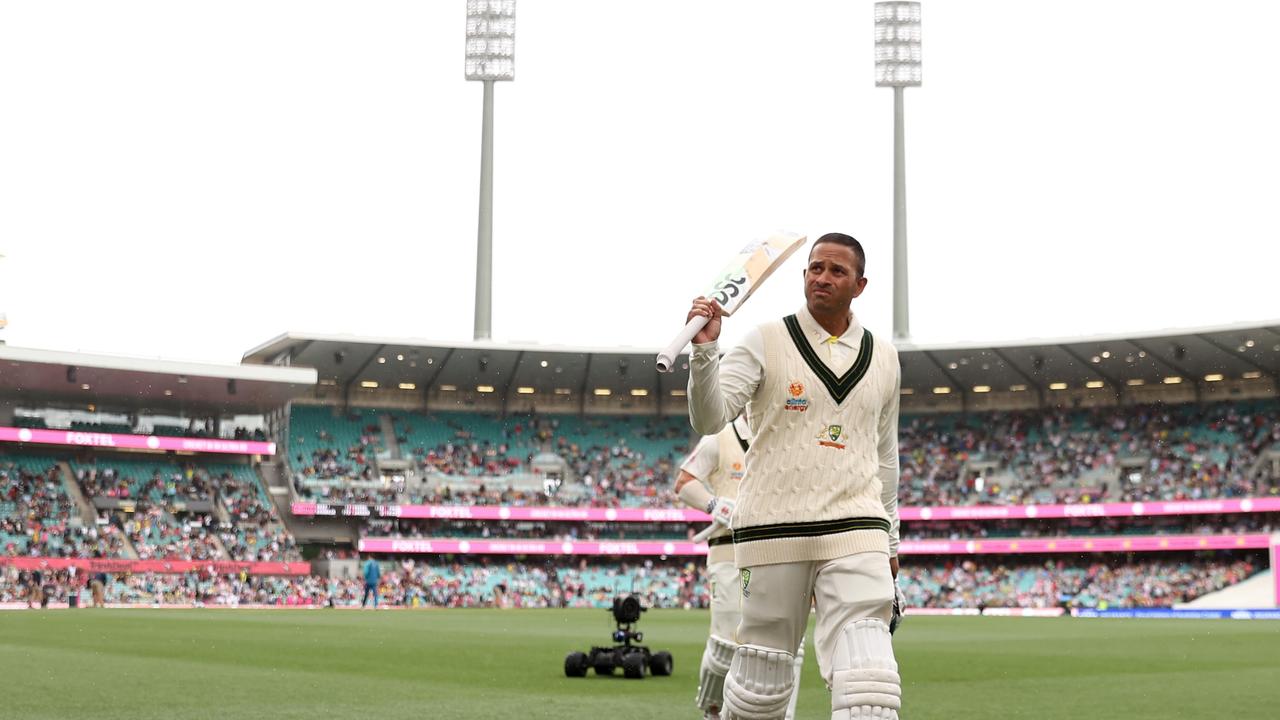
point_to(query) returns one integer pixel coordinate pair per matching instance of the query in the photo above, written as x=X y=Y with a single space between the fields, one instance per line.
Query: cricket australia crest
x=831 y=437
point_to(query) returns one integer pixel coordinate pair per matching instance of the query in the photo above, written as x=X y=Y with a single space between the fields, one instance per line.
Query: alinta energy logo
x=797 y=402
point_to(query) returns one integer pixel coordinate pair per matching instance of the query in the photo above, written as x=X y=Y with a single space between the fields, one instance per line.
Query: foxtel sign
x=80 y=438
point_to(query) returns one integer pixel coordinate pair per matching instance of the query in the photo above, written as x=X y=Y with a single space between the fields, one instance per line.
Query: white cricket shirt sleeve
x=720 y=388
x=888 y=456
x=704 y=459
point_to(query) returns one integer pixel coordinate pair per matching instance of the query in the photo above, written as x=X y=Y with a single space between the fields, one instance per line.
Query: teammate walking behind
x=716 y=466
x=816 y=518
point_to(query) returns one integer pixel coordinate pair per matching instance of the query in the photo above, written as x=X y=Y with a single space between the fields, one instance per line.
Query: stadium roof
x=51 y=377
x=1234 y=351
x=1238 y=351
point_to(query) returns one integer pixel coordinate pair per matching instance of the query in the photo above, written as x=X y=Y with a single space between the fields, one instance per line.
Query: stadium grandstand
x=1135 y=471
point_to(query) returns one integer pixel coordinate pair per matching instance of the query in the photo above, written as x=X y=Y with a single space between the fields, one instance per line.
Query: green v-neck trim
x=838 y=387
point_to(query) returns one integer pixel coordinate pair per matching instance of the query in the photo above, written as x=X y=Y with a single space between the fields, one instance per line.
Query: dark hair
x=849 y=242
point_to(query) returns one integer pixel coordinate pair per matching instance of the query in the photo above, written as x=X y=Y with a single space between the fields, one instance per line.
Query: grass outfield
x=134 y=664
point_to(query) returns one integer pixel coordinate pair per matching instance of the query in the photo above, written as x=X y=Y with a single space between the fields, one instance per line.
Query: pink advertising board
x=493 y=512
x=907 y=514
x=528 y=547
x=163 y=567
x=80 y=438
x=1125 y=543
x=1091 y=510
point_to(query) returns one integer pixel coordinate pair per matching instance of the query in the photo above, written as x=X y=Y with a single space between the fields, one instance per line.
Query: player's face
x=831 y=281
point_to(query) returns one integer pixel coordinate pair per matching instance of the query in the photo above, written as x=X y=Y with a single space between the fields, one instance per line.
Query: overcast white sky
x=189 y=179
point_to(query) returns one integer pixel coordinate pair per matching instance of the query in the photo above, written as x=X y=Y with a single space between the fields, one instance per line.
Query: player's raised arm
x=719 y=389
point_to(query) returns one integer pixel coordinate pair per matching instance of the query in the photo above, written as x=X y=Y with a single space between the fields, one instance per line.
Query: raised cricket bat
x=747 y=271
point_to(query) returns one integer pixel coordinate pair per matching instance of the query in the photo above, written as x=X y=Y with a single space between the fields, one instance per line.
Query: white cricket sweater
x=813 y=487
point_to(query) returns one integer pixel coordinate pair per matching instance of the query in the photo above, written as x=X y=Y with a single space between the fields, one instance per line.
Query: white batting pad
x=716 y=658
x=759 y=683
x=864 y=682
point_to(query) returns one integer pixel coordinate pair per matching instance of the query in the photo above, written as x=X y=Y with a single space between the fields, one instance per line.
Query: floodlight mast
x=490 y=58
x=898 y=66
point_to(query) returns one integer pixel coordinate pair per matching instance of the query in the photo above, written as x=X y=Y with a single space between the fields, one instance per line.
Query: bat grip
x=667 y=358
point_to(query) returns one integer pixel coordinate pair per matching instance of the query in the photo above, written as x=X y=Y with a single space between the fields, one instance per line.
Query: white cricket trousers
x=776 y=600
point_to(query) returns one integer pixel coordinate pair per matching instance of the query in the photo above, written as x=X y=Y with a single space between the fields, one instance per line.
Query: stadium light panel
x=563 y=391
x=382 y=361
x=1213 y=377
x=368 y=383
x=448 y=388
x=524 y=390
x=1017 y=388
x=898 y=44
x=1172 y=380
x=942 y=390
x=331 y=382
x=982 y=388
x=602 y=392
x=491 y=40
x=1249 y=343
x=484 y=389
x=1106 y=354
x=85 y=386
x=1135 y=382
x=543 y=363
x=168 y=393
x=679 y=393
x=907 y=391
x=408 y=386
x=400 y=358
x=1252 y=375
x=639 y=392
x=1095 y=384
x=1058 y=386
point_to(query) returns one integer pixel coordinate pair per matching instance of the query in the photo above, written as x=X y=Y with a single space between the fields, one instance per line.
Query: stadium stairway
x=389 y=436
x=1255 y=593
x=275 y=478
x=87 y=513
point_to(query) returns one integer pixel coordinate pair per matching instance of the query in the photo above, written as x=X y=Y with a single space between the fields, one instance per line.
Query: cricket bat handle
x=667 y=358
x=705 y=533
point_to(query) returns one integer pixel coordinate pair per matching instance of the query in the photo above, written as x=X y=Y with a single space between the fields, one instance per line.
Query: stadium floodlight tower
x=898 y=67
x=491 y=56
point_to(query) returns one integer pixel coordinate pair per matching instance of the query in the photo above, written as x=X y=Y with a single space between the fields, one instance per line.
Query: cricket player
x=708 y=481
x=816 y=517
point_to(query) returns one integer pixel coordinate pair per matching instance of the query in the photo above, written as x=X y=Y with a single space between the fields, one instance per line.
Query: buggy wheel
x=660 y=664
x=575 y=665
x=633 y=665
